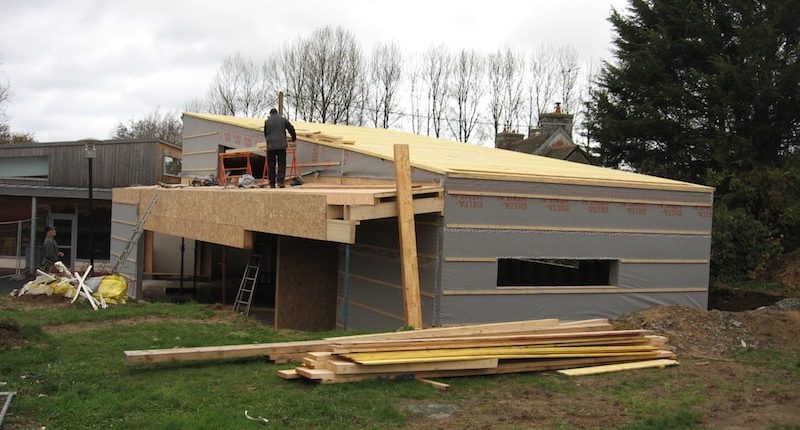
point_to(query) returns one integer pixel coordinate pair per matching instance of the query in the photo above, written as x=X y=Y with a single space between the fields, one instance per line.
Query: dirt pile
x=701 y=333
x=10 y=336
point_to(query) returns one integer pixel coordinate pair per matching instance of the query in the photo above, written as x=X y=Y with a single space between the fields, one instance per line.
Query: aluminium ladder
x=135 y=234
x=244 y=297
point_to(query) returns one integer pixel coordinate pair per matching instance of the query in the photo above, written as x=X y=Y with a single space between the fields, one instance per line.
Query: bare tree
x=542 y=82
x=466 y=88
x=240 y=88
x=289 y=71
x=416 y=96
x=436 y=66
x=335 y=64
x=568 y=60
x=505 y=71
x=5 y=98
x=385 y=74
x=153 y=125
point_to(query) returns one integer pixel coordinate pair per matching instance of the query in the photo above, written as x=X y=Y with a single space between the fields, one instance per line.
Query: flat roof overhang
x=229 y=216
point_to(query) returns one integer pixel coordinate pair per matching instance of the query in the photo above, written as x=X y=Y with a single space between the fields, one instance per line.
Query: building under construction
x=500 y=235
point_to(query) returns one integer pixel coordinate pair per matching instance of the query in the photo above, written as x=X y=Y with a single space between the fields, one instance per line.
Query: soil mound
x=10 y=336
x=698 y=332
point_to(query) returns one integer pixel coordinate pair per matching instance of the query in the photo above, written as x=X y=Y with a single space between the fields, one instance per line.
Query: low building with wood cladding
x=500 y=235
x=46 y=183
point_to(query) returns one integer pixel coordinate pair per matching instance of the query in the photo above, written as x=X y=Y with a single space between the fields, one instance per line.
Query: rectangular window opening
x=172 y=166
x=536 y=272
x=24 y=167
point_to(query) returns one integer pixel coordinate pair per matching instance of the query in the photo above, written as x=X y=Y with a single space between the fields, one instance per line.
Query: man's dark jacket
x=275 y=128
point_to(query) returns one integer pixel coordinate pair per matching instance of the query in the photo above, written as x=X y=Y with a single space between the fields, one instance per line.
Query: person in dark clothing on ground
x=275 y=128
x=50 y=253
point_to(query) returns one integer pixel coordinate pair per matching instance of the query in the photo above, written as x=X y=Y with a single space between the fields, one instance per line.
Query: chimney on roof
x=506 y=139
x=550 y=122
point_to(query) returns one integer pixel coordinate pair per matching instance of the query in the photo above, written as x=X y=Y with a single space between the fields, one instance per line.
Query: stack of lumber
x=482 y=349
x=529 y=346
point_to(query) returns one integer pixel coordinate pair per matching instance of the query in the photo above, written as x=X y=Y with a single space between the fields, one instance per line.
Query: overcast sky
x=79 y=67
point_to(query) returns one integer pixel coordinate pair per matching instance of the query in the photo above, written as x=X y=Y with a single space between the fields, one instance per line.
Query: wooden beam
x=148 y=252
x=594 y=370
x=219 y=352
x=408 y=239
x=341 y=231
x=441 y=386
x=389 y=209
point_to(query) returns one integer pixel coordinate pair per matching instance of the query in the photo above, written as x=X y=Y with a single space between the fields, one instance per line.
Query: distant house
x=47 y=183
x=553 y=138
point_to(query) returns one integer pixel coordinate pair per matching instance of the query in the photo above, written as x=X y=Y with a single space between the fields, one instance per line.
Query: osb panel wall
x=305 y=296
x=224 y=216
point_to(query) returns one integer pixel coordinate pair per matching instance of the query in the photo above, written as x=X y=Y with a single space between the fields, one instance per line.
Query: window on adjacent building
x=172 y=165
x=533 y=272
x=24 y=167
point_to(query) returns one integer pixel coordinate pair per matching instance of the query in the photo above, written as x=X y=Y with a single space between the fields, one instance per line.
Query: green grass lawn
x=70 y=375
x=77 y=379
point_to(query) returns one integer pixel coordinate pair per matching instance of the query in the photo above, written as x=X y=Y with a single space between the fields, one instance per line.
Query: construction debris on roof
x=483 y=349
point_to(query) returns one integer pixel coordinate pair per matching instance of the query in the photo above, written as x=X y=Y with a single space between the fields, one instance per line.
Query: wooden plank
x=219 y=352
x=408 y=240
x=340 y=231
x=288 y=374
x=485 y=341
x=148 y=252
x=441 y=386
x=468 y=330
x=543 y=365
x=392 y=357
x=389 y=209
x=344 y=367
x=594 y=370
x=317 y=374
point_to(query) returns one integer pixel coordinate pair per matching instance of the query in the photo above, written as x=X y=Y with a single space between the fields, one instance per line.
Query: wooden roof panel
x=465 y=160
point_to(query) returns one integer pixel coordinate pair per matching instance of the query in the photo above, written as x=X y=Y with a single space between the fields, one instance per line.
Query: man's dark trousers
x=277 y=156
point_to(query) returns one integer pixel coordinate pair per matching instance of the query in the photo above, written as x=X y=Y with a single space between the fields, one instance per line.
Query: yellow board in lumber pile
x=573 y=338
x=464 y=351
x=593 y=370
x=396 y=357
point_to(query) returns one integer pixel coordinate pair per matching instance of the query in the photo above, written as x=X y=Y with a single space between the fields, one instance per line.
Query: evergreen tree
x=700 y=86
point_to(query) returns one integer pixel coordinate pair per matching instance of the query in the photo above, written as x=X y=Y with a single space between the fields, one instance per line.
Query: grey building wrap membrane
x=123 y=219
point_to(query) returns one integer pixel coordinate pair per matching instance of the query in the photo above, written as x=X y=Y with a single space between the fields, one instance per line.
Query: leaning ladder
x=244 y=297
x=137 y=232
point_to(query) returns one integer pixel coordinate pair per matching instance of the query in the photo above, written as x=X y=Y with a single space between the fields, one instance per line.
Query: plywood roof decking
x=228 y=216
x=464 y=160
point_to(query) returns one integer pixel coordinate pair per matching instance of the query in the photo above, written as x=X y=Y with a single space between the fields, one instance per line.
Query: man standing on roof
x=275 y=128
x=50 y=252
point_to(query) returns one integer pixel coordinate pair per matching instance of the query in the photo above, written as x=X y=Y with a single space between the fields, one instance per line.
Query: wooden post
x=280 y=102
x=408 y=237
x=148 y=252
